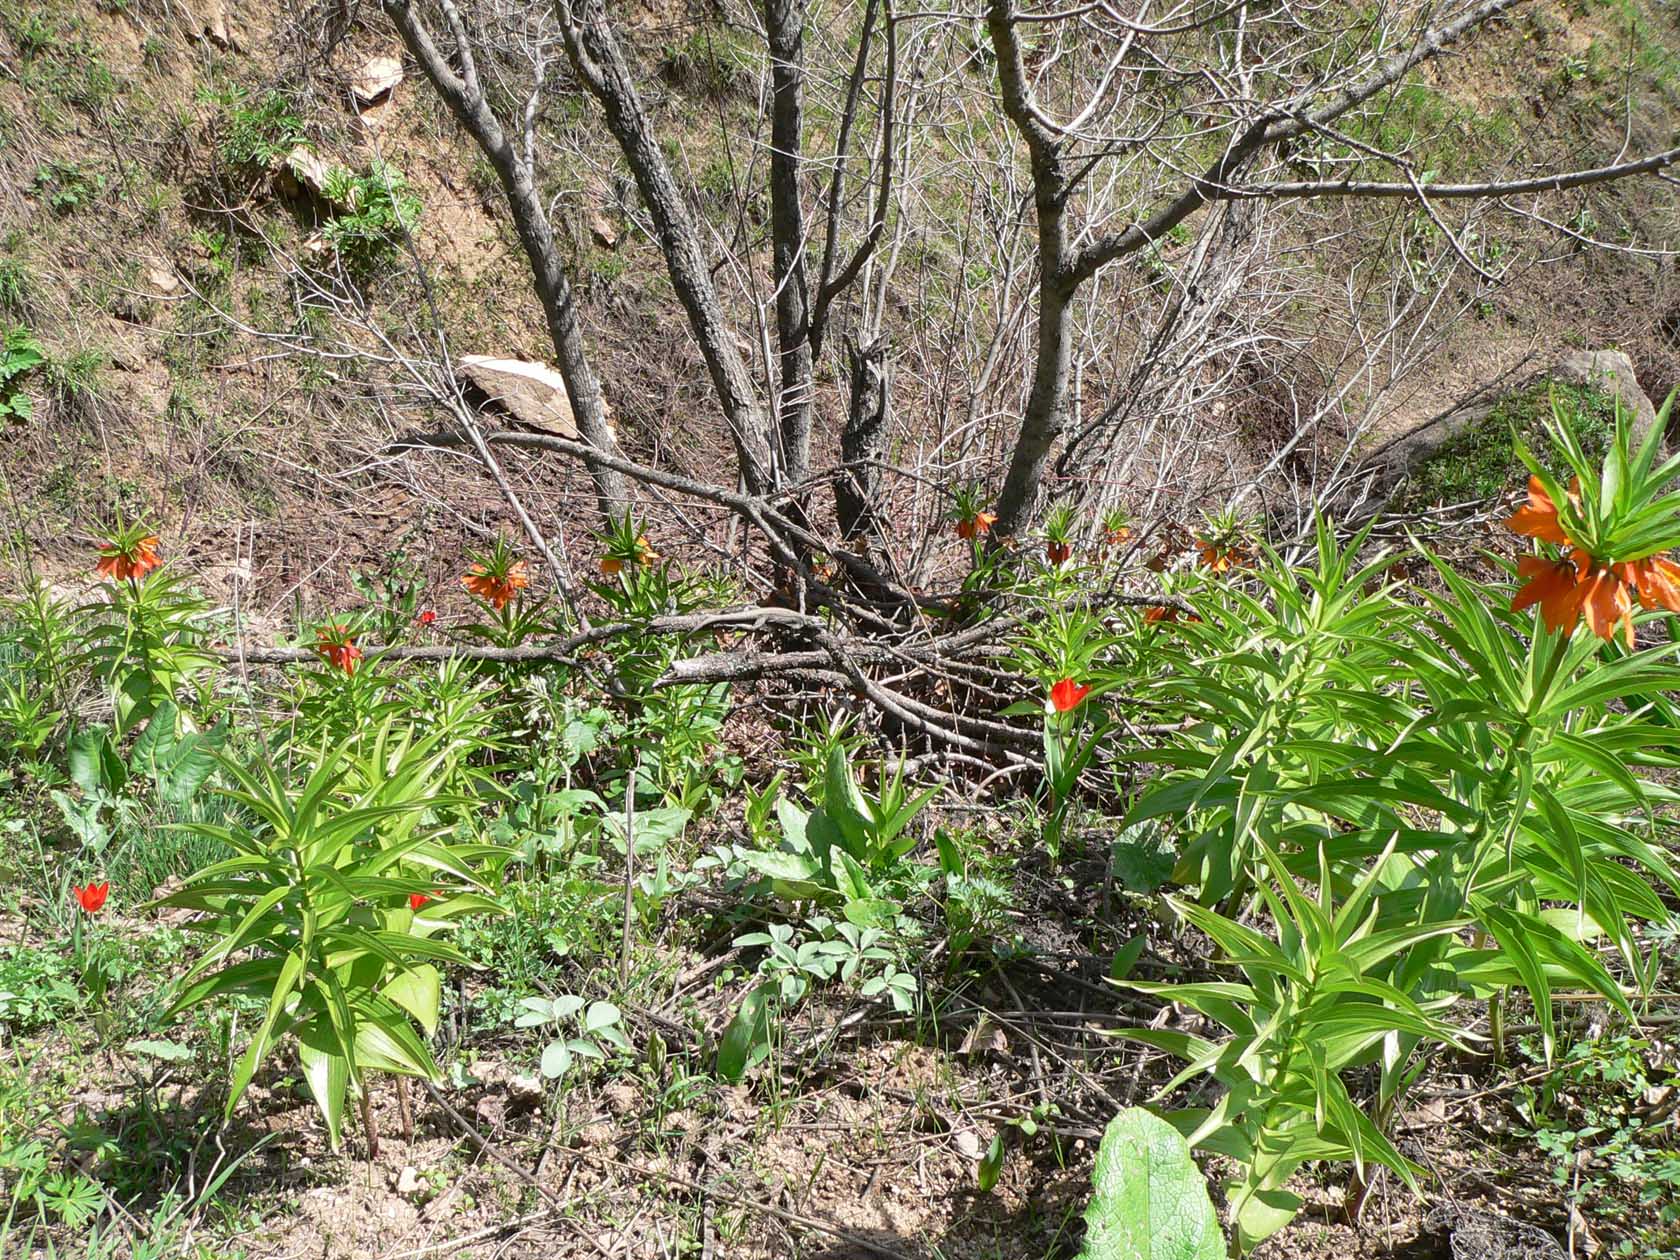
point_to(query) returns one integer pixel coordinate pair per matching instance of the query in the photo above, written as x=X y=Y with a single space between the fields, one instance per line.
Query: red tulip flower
x=92 y=896
x=416 y=900
x=1066 y=695
x=426 y=618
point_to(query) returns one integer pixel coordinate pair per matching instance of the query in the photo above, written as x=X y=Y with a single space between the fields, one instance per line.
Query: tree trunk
x=1045 y=415
x=784 y=24
x=857 y=486
x=600 y=64
x=466 y=100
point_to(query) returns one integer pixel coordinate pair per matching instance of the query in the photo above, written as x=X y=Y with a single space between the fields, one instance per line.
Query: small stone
x=303 y=170
x=162 y=279
x=408 y=1181
x=525 y=1088
x=602 y=229
x=490 y=1112
x=214 y=26
x=621 y=1097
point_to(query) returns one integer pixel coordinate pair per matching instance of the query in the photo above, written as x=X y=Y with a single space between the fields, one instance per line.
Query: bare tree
x=1266 y=93
x=990 y=332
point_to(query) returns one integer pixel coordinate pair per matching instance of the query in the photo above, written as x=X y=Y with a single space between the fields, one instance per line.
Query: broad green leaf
x=94 y=764
x=556 y=1059
x=1262 y=1213
x=747 y=1039
x=600 y=1015
x=327 y=1075
x=991 y=1164
x=163 y=1051
x=418 y=992
x=1148 y=1200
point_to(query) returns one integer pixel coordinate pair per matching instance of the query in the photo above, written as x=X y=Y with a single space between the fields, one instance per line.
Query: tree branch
x=1491 y=189
x=466 y=100
x=834 y=284
x=595 y=55
x=1274 y=126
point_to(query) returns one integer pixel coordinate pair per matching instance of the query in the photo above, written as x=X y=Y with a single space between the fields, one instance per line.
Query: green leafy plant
x=373 y=212
x=20 y=354
x=837 y=852
x=67 y=186
x=1597 y=1112
x=321 y=894
x=595 y=1030
x=1307 y=1009
x=258 y=131
x=68 y=1197
x=145 y=644
x=37 y=986
x=1391 y=807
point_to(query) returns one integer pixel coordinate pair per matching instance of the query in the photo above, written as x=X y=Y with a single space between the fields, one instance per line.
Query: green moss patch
x=1481 y=463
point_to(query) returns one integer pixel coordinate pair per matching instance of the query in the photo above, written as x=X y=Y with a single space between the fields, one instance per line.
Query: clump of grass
x=75 y=380
x=16 y=286
x=67 y=186
x=709 y=63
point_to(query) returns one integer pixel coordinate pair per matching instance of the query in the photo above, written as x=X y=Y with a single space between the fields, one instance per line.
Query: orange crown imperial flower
x=121 y=559
x=1058 y=552
x=1551 y=584
x=335 y=646
x=1603 y=600
x=1220 y=556
x=1538 y=518
x=1582 y=585
x=971 y=527
x=612 y=564
x=1657 y=581
x=1162 y=614
x=496 y=589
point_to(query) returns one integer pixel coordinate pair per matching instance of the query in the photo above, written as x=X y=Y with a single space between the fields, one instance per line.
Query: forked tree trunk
x=863 y=444
x=1063 y=268
x=1045 y=415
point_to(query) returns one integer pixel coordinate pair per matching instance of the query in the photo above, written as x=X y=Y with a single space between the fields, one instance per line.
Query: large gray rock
x=533 y=394
x=375 y=79
x=1610 y=372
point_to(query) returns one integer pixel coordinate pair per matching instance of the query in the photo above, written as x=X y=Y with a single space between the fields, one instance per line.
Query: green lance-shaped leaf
x=747 y=1040
x=1148 y=1200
